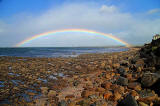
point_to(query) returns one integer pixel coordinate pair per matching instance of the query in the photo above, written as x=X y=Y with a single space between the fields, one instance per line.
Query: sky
x=133 y=21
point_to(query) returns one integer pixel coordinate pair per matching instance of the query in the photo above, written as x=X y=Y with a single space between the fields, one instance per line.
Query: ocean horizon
x=56 y=51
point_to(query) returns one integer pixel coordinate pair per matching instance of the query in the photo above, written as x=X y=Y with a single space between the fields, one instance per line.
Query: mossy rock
x=154 y=48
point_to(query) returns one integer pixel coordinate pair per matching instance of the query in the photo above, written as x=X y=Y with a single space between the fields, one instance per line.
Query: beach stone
x=99 y=103
x=84 y=102
x=62 y=103
x=107 y=95
x=116 y=65
x=140 y=62
x=69 y=96
x=143 y=104
x=86 y=93
x=99 y=89
x=51 y=93
x=122 y=71
x=148 y=79
x=129 y=77
x=44 y=90
x=134 y=85
x=116 y=96
x=119 y=89
x=129 y=100
x=147 y=96
x=122 y=81
x=108 y=76
x=124 y=63
x=76 y=83
x=106 y=85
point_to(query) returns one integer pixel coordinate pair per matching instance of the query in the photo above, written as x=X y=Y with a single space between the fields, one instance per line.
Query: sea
x=56 y=51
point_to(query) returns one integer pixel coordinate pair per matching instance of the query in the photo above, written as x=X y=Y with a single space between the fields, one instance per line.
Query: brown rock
x=106 y=85
x=129 y=76
x=142 y=104
x=107 y=95
x=134 y=93
x=119 y=89
x=108 y=76
x=116 y=65
x=116 y=96
x=69 y=96
x=52 y=93
x=86 y=93
x=135 y=86
x=31 y=93
x=99 y=89
x=114 y=86
x=44 y=90
x=147 y=96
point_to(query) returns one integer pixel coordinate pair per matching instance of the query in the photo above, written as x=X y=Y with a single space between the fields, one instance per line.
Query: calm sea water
x=56 y=51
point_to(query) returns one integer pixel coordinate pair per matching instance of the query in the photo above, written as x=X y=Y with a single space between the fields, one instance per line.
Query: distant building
x=157 y=36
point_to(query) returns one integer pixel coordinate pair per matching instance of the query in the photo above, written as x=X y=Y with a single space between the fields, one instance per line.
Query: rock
x=135 y=86
x=69 y=96
x=108 y=76
x=116 y=96
x=119 y=89
x=147 y=96
x=122 y=81
x=128 y=101
x=106 y=85
x=124 y=63
x=72 y=104
x=51 y=93
x=107 y=95
x=86 y=93
x=142 y=104
x=44 y=90
x=62 y=103
x=103 y=64
x=31 y=93
x=76 y=83
x=84 y=102
x=99 y=103
x=99 y=89
x=135 y=94
x=122 y=71
x=116 y=65
x=140 y=62
x=129 y=77
x=148 y=79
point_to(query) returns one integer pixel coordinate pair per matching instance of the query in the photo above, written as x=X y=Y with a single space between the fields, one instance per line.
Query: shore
x=107 y=79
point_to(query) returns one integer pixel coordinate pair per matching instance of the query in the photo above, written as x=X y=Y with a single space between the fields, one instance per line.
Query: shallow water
x=56 y=51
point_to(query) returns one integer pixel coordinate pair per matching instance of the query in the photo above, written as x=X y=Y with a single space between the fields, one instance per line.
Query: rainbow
x=72 y=30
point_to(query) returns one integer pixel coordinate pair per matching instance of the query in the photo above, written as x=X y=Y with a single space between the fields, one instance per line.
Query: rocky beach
x=127 y=78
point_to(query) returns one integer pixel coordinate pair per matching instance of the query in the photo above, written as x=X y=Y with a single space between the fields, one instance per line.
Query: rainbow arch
x=72 y=30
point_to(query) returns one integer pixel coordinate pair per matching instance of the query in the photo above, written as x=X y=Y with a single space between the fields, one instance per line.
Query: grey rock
x=122 y=81
x=122 y=71
x=148 y=79
x=128 y=101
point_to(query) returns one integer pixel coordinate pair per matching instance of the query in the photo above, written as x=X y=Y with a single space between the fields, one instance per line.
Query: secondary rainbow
x=72 y=30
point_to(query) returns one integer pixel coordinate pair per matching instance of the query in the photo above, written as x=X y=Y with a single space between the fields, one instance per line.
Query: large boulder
x=148 y=79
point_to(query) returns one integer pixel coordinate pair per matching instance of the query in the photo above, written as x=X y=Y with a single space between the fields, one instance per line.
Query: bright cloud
x=107 y=19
